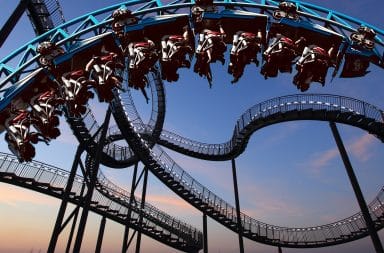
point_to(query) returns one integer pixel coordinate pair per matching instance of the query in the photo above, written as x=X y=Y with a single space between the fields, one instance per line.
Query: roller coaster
x=140 y=45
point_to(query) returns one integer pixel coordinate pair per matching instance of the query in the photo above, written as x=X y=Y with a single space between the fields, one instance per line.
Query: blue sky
x=290 y=174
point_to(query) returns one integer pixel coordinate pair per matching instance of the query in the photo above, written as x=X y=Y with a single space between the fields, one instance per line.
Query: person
x=212 y=43
x=364 y=37
x=122 y=17
x=312 y=66
x=211 y=47
x=286 y=10
x=197 y=11
x=245 y=47
x=142 y=54
x=19 y=137
x=45 y=111
x=280 y=55
x=102 y=70
x=142 y=58
x=76 y=91
x=173 y=54
x=48 y=51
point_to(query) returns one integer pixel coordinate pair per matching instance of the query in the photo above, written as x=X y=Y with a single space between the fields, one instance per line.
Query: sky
x=290 y=174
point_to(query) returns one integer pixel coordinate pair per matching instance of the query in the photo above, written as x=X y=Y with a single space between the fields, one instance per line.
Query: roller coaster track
x=69 y=34
x=293 y=107
x=109 y=200
x=297 y=107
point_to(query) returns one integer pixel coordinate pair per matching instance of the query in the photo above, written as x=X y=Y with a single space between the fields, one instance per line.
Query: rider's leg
x=164 y=56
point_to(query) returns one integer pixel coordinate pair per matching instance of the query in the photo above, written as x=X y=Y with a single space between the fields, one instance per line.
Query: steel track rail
x=81 y=27
x=92 y=22
x=322 y=107
x=116 y=156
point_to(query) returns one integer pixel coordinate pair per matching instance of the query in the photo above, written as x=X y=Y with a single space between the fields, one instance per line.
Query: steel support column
x=101 y=235
x=72 y=232
x=63 y=206
x=356 y=188
x=92 y=182
x=205 y=233
x=239 y=225
x=143 y=194
x=128 y=220
x=12 y=20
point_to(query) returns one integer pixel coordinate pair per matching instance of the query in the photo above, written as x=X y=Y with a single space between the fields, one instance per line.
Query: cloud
x=321 y=160
x=266 y=204
x=361 y=148
x=289 y=129
x=16 y=196
x=177 y=205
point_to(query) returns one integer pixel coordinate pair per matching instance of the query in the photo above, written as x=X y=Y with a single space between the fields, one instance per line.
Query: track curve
x=321 y=107
x=109 y=200
x=179 y=181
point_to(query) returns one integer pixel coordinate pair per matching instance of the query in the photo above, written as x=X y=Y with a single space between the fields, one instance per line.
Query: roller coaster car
x=21 y=92
x=286 y=10
x=357 y=60
x=311 y=33
x=79 y=54
x=75 y=83
x=154 y=28
x=360 y=53
x=173 y=36
x=234 y=21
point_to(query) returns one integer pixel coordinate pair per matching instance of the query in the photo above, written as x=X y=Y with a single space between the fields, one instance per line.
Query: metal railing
x=353 y=226
x=108 y=195
x=82 y=26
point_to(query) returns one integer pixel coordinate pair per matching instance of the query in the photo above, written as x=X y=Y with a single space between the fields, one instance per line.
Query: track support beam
x=72 y=232
x=63 y=206
x=239 y=225
x=12 y=20
x=101 y=235
x=356 y=188
x=143 y=195
x=128 y=219
x=205 y=233
x=92 y=182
